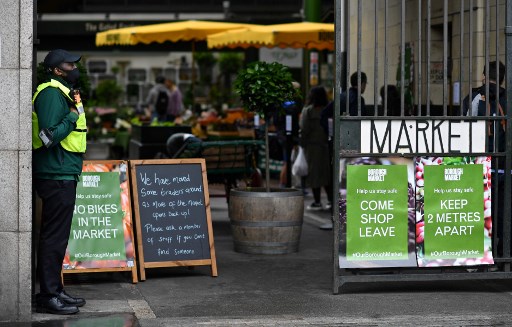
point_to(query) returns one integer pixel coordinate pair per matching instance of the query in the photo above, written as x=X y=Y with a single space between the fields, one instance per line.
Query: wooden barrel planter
x=266 y=222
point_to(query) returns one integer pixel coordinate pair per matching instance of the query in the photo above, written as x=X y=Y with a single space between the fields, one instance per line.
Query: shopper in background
x=315 y=143
x=59 y=141
x=158 y=100
x=392 y=99
x=327 y=114
x=175 y=106
x=476 y=104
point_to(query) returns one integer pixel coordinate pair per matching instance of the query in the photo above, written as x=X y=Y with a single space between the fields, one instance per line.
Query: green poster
x=97 y=228
x=454 y=211
x=377 y=203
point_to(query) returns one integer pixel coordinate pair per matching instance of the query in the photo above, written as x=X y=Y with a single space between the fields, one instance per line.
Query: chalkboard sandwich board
x=172 y=214
x=101 y=237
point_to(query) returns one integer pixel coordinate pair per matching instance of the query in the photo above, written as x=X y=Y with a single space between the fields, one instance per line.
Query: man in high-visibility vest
x=59 y=138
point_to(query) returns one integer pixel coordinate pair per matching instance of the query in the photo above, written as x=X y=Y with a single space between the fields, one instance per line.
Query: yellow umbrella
x=306 y=35
x=190 y=30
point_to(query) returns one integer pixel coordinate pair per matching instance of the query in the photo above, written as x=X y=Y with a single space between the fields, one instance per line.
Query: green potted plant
x=266 y=220
x=263 y=88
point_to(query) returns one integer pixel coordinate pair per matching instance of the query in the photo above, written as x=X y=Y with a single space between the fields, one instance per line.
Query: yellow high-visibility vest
x=76 y=141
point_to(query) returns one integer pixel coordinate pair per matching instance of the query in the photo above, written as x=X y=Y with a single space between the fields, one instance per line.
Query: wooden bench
x=227 y=162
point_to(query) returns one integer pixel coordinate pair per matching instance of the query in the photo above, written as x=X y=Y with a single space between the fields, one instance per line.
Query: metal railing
x=347 y=133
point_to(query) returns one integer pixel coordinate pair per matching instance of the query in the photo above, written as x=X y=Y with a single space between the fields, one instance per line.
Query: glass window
x=170 y=73
x=97 y=66
x=106 y=77
x=132 y=93
x=137 y=75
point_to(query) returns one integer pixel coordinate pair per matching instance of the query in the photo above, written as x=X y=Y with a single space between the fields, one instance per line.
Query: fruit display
x=208 y=117
x=127 y=221
x=420 y=163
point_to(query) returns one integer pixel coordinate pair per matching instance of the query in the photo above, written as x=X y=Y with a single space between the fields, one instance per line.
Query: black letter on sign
x=373 y=131
x=423 y=130
x=403 y=128
x=438 y=128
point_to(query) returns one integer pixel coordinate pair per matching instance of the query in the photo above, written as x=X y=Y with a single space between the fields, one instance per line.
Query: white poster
x=288 y=57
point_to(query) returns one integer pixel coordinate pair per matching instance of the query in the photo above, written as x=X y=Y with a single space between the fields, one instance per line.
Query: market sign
x=454 y=212
x=101 y=237
x=423 y=136
x=172 y=214
x=377 y=212
x=97 y=229
x=454 y=215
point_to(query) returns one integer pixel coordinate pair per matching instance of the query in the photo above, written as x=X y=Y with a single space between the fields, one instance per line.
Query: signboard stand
x=101 y=238
x=172 y=214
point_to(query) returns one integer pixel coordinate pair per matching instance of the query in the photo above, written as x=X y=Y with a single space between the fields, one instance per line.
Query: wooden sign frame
x=202 y=262
x=127 y=189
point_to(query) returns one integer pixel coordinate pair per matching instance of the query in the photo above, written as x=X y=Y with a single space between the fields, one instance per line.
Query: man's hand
x=74 y=110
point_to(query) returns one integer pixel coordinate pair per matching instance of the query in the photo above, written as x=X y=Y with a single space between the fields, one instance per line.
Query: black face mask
x=72 y=76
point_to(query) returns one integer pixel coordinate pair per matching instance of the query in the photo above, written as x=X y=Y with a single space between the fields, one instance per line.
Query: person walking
x=175 y=106
x=59 y=142
x=315 y=143
x=158 y=100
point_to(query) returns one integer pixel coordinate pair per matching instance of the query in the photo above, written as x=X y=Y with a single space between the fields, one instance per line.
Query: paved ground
x=282 y=290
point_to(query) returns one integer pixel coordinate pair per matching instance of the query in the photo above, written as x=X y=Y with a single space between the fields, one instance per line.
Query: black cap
x=56 y=57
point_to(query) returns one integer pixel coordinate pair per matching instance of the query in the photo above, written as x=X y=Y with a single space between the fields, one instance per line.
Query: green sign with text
x=97 y=228
x=377 y=204
x=454 y=211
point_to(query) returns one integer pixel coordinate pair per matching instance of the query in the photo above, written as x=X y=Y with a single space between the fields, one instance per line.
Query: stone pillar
x=16 y=49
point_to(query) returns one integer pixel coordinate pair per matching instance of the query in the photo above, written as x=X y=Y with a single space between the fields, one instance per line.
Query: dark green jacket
x=53 y=112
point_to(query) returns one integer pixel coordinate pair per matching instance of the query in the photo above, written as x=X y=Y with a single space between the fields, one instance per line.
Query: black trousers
x=58 y=197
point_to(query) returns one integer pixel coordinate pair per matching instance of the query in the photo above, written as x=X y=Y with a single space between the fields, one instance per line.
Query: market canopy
x=190 y=30
x=305 y=35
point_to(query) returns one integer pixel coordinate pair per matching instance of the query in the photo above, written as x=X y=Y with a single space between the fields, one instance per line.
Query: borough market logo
x=377 y=175
x=91 y=180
